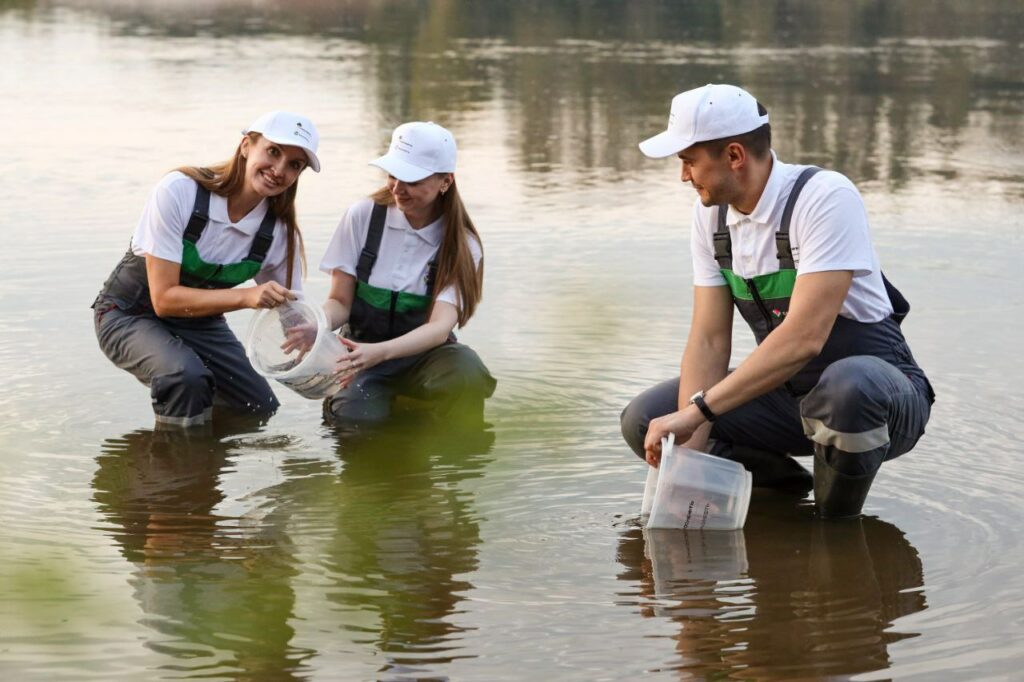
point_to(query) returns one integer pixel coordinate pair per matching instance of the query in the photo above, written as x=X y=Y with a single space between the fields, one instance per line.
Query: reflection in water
x=914 y=98
x=215 y=593
x=882 y=91
x=217 y=589
x=788 y=597
x=405 y=539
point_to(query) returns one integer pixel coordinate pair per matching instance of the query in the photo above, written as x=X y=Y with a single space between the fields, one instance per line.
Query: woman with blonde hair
x=203 y=232
x=406 y=267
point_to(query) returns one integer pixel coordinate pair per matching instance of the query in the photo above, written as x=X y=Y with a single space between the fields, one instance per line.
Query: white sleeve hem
x=343 y=267
x=858 y=269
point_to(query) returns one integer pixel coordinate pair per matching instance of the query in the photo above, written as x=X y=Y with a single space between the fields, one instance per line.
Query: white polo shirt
x=403 y=259
x=165 y=217
x=828 y=231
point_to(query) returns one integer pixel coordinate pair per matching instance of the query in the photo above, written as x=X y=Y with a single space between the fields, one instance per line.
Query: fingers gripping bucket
x=313 y=373
x=696 y=491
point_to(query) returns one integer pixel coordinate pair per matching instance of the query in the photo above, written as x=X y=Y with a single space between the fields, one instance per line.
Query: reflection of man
x=789 y=246
x=781 y=599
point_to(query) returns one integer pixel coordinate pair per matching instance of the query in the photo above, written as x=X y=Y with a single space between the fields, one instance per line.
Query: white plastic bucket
x=697 y=491
x=313 y=374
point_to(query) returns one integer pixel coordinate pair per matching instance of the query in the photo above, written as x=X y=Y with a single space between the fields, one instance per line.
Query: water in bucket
x=695 y=491
x=312 y=373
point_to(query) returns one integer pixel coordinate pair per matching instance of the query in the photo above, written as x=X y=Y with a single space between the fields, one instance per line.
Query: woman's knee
x=455 y=370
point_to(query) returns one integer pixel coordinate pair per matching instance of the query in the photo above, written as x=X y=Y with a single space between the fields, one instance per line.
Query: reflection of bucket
x=312 y=374
x=697 y=491
x=682 y=561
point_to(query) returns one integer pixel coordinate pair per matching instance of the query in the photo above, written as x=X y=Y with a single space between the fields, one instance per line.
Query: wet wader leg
x=367 y=399
x=862 y=412
x=180 y=385
x=655 y=402
x=454 y=379
x=236 y=384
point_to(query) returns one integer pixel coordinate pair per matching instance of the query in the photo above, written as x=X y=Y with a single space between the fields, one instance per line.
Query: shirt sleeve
x=165 y=217
x=830 y=230
x=451 y=293
x=347 y=241
x=705 y=268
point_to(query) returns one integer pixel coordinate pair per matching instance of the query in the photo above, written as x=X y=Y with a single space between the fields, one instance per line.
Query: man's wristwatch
x=698 y=400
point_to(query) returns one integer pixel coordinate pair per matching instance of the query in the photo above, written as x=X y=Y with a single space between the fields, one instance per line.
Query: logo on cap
x=302 y=132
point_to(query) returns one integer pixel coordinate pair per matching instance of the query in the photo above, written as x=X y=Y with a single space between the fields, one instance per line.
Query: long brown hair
x=455 y=264
x=227 y=178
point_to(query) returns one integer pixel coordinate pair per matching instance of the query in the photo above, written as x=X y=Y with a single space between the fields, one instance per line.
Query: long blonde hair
x=228 y=177
x=455 y=264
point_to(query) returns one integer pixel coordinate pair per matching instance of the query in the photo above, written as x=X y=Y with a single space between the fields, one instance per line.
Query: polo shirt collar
x=764 y=212
x=250 y=224
x=431 y=233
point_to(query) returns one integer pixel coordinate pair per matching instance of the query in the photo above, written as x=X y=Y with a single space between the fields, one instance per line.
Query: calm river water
x=284 y=551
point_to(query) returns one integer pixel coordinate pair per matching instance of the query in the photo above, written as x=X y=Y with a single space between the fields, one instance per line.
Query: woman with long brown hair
x=203 y=232
x=406 y=267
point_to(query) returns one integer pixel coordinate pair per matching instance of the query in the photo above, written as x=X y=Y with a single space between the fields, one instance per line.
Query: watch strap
x=698 y=400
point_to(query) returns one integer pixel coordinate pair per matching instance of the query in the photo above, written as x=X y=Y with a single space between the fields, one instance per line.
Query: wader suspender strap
x=368 y=256
x=785 y=251
x=431 y=276
x=200 y=215
x=723 y=242
x=264 y=238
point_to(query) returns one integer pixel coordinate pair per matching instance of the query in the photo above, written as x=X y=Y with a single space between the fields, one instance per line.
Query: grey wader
x=451 y=376
x=861 y=401
x=189 y=364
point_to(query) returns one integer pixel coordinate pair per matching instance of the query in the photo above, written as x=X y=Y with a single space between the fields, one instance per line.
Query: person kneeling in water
x=203 y=232
x=406 y=266
x=789 y=247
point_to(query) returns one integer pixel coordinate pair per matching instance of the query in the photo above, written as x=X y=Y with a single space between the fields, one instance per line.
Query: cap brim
x=401 y=170
x=664 y=144
x=314 y=162
x=311 y=158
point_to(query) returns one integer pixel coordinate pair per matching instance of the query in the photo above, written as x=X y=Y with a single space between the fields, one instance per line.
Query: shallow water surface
x=286 y=550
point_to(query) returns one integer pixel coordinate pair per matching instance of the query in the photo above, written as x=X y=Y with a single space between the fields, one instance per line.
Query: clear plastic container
x=697 y=491
x=313 y=374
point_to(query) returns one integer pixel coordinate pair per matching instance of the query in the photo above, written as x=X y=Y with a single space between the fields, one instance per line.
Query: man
x=790 y=247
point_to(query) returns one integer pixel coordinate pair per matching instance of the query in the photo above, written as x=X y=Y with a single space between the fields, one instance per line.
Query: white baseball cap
x=708 y=113
x=293 y=130
x=418 y=150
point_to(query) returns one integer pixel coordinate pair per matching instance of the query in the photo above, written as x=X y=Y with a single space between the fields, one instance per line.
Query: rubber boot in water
x=838 y=495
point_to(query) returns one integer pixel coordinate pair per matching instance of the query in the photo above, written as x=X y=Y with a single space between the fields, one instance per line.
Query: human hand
x=299 y=337
x=682 y=423
x=361 y=356
x=267 y=295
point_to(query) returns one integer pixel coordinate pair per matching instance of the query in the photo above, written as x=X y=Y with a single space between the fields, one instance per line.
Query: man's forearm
x=703 y=365
x=772 y=363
